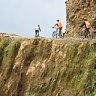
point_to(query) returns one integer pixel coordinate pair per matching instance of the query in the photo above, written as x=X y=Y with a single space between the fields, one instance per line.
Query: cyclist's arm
x=82 y=24
x=54 y=25
x=39 y=29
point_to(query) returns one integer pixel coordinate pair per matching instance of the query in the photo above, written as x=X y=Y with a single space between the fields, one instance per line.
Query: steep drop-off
x=76 y=11
x=45 y=67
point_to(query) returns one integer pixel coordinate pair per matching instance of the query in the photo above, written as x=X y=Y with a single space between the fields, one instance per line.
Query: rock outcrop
x=45 y=67
x=76 y=11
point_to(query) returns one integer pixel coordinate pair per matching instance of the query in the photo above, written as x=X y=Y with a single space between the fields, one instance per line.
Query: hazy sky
x=21 y=16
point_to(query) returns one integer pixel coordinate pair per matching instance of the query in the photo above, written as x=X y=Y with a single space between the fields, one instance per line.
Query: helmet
x=57 y=20
x=84 y=18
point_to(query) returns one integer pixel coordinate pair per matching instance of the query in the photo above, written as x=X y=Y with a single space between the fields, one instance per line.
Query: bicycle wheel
x=90 y=35
x=54 y=34
x=82 y=35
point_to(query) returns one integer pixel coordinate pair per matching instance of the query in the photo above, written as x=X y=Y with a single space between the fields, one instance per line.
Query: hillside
x=47 y=67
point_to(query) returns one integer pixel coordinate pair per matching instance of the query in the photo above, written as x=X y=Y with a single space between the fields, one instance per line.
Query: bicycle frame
x=55 y=33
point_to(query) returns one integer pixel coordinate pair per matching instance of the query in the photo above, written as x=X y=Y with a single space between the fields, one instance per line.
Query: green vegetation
x=3 y=43
x=48 y=68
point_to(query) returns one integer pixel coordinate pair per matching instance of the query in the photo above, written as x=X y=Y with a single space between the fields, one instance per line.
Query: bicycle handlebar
x=55 y=27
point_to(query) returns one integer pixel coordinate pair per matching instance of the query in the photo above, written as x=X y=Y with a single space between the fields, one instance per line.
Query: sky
x=21 y=16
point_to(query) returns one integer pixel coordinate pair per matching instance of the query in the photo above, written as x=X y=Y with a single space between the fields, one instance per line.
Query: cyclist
x=37 y=30
x=59 y=27
x=87 y=26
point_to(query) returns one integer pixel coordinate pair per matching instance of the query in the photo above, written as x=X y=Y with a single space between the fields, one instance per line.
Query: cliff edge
x=47 y=67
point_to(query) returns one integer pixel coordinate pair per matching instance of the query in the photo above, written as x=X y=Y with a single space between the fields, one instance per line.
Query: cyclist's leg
x=35 y=33
x=88 y=32
x=60 y=29
x=85 y=33
x=38 y=33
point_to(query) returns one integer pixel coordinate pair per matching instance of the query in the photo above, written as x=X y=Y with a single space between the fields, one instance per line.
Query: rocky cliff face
x=76 y=11
x=45 y=67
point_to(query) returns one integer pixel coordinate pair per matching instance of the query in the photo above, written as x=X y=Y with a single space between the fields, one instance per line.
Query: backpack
x=88 y=25
x=59 y=24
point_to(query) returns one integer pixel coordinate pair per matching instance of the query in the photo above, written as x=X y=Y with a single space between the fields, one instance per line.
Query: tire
x=54 y=34
x=90 y=36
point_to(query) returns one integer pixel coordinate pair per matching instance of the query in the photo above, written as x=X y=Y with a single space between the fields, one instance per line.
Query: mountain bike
x=56 y=34
x=88 y=35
